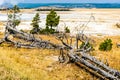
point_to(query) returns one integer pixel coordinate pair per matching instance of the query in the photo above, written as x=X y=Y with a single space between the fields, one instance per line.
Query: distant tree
x=35 y=24
x=52 y=19
x=14 y=17
x=16 y=9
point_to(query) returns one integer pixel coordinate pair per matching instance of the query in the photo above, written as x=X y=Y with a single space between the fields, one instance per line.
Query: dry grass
x=42 y=64
x=1 y=23
x=112 y=56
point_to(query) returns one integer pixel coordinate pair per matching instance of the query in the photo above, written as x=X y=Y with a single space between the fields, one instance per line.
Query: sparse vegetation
x=106 y=45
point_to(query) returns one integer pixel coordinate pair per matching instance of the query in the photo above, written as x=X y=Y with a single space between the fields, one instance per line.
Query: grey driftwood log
x=34 y=42
x=82 y=56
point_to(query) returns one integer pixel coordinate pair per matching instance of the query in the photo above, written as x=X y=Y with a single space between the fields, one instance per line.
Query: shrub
x=47 y=30
x=106 y=45
x=87 y=46
x=67 y=30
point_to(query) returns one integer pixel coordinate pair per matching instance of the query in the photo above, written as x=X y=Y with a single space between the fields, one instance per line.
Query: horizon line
x=71 y=2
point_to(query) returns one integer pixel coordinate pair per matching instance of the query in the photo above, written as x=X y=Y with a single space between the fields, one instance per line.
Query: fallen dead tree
x=82 y=56
x=33 y=42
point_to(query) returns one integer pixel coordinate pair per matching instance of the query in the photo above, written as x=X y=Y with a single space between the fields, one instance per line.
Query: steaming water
x=24 y=17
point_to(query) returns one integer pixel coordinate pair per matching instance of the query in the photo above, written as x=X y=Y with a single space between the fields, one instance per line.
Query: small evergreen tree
x=35 y=24
x=106 y=45
x=52 y=19
x=14 y=17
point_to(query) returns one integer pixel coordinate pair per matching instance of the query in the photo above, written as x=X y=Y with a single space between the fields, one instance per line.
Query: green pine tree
x=52 y=19
x=35 y=24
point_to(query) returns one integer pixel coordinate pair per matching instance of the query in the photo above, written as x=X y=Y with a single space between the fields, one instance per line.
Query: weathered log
x=34 y=42
x=21 y=35
x=93 y=64
x=99 y=64
x=82 y=56
x=93 y=67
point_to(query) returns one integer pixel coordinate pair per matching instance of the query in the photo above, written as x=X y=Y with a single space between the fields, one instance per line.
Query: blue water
x=70 y=5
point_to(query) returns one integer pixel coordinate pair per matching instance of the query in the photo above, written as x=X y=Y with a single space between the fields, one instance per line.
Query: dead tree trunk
x=83 y=56
x=34 y=42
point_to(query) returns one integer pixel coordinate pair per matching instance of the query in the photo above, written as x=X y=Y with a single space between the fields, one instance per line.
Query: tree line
x=52 y=21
